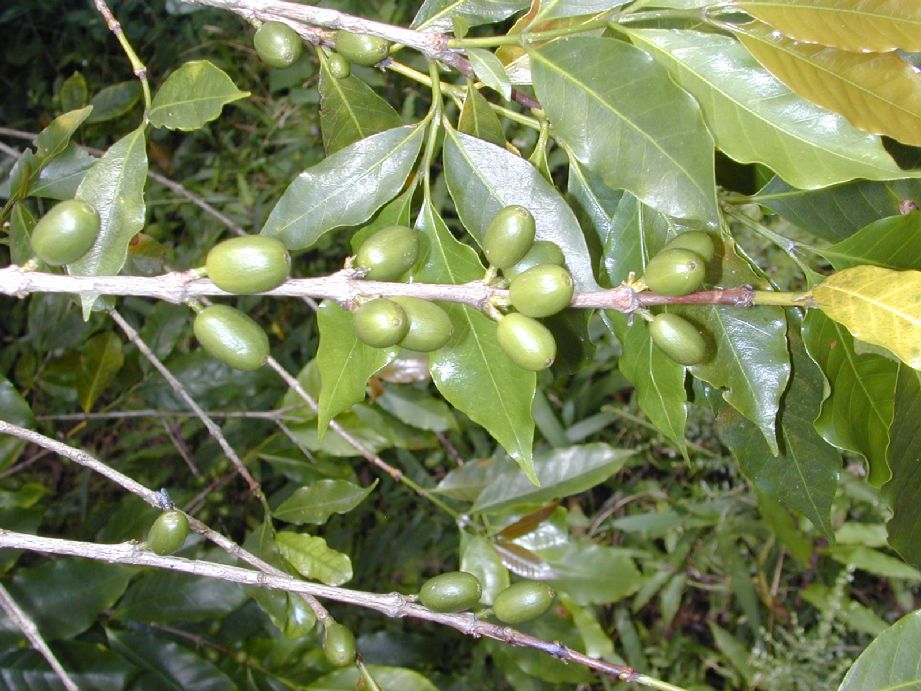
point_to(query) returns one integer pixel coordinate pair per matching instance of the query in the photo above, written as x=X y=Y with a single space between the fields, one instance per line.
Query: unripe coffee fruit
x=338 y=66
x=451 y=592
x=694 y=240
x=250 y=264
x=678 y=338
x=65 y=233
x=361 y=49
x=509 y=236
x=231 y=337
x=522 y=602
x=541 y=252
x=429 y=326
x=168 y=532
x=380 y=323
x=675 y=272
x=338 y=645
x=389 y=253
x=526 y=341
x=277 y=44
x=541 y=291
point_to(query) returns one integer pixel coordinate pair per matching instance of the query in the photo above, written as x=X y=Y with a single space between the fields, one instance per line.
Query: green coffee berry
x=380 y=323
x=389 y=253
x=526 y=341
x=65 y=233
x=696 y=241
x=451 y=592
x=168 y=532
x=277 y=44
x=338 y=645
x=361 y=49
x=429 y=325
x=338 y=66
x=250 y=264
x=522 y=602
x=509 y=236
x=678 y=338
x=231 y=337
x=541 y=252
x=541 y=291
x=675 y=272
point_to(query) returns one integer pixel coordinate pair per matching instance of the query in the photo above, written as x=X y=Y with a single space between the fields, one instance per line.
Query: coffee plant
x=456 y=344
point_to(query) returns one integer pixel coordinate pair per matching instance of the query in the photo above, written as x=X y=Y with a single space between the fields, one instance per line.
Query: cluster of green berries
x=679 y=269
x=278 y=45
x=457 y=591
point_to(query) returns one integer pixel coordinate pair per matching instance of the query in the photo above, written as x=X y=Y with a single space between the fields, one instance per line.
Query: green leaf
x=478 y=557
x=346 y=188
x=873 y=561
x=345 y=363
x=438 y=15
x=192 y=96
x=878 y=92
x=561 y=472
x=417 y=408
x=862 y=388
x=52 y=140
x=394 y=678
x=317 y=502
x=313 y=558
x=115 y=187
x=878 y=306
x=471 y=371
x=890 y=661
x=855 y=25
x=490 y=70
x=555 y=9
x=467 y=481
x=484 y=178
x=593 y=574
x=13 y=409
x=642 y=134
x=893 y=243
x=61 y=177
x=478 y=120
x=856 y=616
x=21 y=224
x=92 y=667
x=904 y=490
x=101 y=358
x=351 y=111
x=114 y=101
x=73 y=92
x=755 y=118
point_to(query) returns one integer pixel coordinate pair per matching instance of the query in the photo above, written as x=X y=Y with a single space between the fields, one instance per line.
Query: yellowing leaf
x=878 y=92
x=857 y=25
x=878 y=306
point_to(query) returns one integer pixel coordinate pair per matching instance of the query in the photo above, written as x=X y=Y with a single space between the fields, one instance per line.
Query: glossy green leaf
x=351 y=111
x=386 y=677
x=115 y=187
x=317 y=502
x=478 y=557
x=346 y=188
x=893 y=243
x=73 y=93
x=561 y=472
x=21 y=224
x=484 y=178
x=438 y=15
x=555 y=9
x=345 y=363
x=467 y=481
x=52 y=140
x=90 y=666
x=890 y=661
x=101 y=358
x=417 y=408
x=471 y=371
x=14 y=409
x=879 y=306
x=61 y=177
x=643 y=134
x=855 y=25
x=192 y=96
x=313 y=558
x=873 y=561
x=593 y=574
x=754 y=117
x=904 y=490
x=489 y=70
x=114 y=101
x=478 y=120
x=878 y=92
x=862 y=387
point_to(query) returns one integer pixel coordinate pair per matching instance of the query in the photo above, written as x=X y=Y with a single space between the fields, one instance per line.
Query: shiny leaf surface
x=904 y=490
x=489 y=70
x=114 y=101
x=593 y=574
x=478 y=557
x=438 y=15
x=313 y=558
x=317 y=502
x=478 y=120
x=192 y=96
x=890 y=661
x=893 y=243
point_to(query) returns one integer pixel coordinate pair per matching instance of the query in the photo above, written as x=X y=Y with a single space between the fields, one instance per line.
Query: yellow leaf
x=879 y=306
x=857 y=25
x=878 y=92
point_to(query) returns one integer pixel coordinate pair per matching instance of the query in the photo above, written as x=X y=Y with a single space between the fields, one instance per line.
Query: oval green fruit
x=541 y=252
x=541 y=291
x=250 y=264
x=508 y=236
x=65 y=233
x=522 y=602
x=277 y=44
x=380 y=323
x=389 y=253
x=338 y=66
x=675 y=272
x=429 y=326
x=526 y=341
x=451 y=592
x=168 y=532
x=361 y=49
x=231 y=337
x=678 y=338
x=339 y=645
x=696 y=241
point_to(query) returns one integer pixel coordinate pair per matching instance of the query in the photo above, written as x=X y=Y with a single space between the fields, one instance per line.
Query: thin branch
x=31 y=632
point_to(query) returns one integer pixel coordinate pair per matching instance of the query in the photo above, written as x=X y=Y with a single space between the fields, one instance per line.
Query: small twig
x=140 y=71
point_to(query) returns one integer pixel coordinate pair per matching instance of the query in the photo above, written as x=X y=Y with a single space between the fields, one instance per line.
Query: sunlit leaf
x=192 y=96
x=553 y=9
x=489 y=70
x=101 y=358
x=317 y=502
x=386 y=677
x=313 y=558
